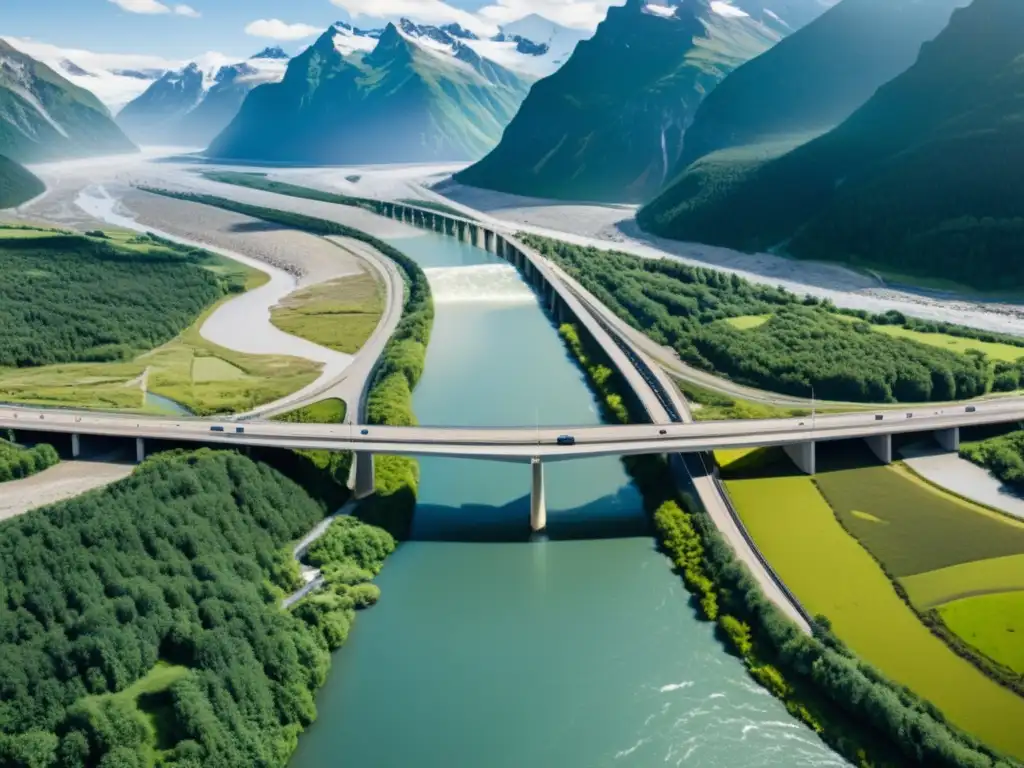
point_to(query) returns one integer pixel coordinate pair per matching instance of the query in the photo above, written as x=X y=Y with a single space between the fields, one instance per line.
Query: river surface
x=578 y=650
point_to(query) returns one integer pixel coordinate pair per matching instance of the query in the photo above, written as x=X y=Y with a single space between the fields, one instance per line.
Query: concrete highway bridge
x=670 y=429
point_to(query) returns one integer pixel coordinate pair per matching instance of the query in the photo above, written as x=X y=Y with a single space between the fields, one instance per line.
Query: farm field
x=933 y=588
x=832 y=574
x=340 y=314
x=921 y=529
x=994 y=624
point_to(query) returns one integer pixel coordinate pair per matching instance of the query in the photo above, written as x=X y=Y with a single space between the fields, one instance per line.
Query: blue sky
x=173 y=29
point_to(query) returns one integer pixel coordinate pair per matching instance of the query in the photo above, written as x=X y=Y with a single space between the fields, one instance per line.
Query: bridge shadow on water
x=610 y=517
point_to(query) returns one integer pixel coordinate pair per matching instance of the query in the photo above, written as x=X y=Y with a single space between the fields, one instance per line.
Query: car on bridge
x=566 y=440
x=216 y=429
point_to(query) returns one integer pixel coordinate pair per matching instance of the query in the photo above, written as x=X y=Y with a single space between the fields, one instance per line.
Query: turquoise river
x=489 y=649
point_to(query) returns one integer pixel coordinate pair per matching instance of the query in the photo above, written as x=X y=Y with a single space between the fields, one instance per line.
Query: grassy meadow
x=837 y=575
x=340 y=314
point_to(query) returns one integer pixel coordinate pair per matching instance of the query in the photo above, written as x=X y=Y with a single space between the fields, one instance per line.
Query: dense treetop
x=172 y=573
x=68 y=298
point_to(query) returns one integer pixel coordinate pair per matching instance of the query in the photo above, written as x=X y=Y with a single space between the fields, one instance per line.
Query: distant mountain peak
x=457 y=30
x=271 y=52
x=73 y=69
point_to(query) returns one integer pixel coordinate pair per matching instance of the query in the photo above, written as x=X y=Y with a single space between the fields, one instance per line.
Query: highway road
x=519 y=443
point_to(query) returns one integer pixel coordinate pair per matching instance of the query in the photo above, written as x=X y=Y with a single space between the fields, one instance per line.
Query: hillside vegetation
x=17 y=184
x=796 y=343
x=815 y=78
x=140 y=625
x=921 y=180
x=609 y=124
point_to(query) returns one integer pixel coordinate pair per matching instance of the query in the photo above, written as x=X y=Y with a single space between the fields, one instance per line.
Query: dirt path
x=60 y=482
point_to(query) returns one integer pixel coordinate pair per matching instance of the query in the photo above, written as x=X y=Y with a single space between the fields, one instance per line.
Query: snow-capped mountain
x=532 y=46
x=407 y=93
x=43 y=116
x=189 y=106
x=115 y=79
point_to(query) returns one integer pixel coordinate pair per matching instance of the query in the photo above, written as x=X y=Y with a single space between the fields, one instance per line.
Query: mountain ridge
x=609 y=125
x=418 y=95
x=920 y=180
x=44 y=116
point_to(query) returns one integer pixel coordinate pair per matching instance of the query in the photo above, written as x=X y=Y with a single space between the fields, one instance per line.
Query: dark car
x=239 y=430
x=971 y=409
x=216 y=429
x=879 y=417
x=566 y=440
x=662 y=431
x=364 y=431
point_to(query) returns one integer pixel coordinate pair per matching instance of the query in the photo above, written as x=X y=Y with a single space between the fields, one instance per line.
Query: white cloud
x=275 y=29
x=154 y=7
x=141 y=6
x=582 y=14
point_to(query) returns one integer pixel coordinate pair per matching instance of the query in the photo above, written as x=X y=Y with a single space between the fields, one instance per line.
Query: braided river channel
x=493 y=649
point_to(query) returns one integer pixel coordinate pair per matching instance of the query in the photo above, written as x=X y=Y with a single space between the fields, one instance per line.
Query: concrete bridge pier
x=480 y=240
x=489 y=242
x=140 y=450
x=803 y=455
x=76 y=446
x=365 y=482
x=949 y=439
x=538 y=504
x=881 y=446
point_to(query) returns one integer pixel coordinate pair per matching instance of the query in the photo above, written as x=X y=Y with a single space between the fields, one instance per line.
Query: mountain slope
x=815 y=79
x=45 y=117
x=17 y=184
x=609 y=124
x=191 y=106
x=419 y=95
x=923 y=179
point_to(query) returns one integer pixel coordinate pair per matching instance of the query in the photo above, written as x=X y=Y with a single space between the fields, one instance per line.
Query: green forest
x=1003 y=456
x=140 y=625
x=803 y=343
x=70 y=298
x=17 y=462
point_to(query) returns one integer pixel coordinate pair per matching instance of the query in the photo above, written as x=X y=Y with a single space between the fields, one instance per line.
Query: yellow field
x=748 y=322
x=833 y=575
x=994 y=624
x=1000 y=574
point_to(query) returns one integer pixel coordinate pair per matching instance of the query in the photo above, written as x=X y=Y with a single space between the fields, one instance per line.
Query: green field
x=994 y=624
x=995 y=351
x=931 y=589
x=330 y=411
x=748 y=322
x=922 y=529
x=149 y=695
x=832 y=574
x=341 y=314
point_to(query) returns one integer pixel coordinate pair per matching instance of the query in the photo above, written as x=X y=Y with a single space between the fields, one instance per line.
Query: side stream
x=574 y=651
